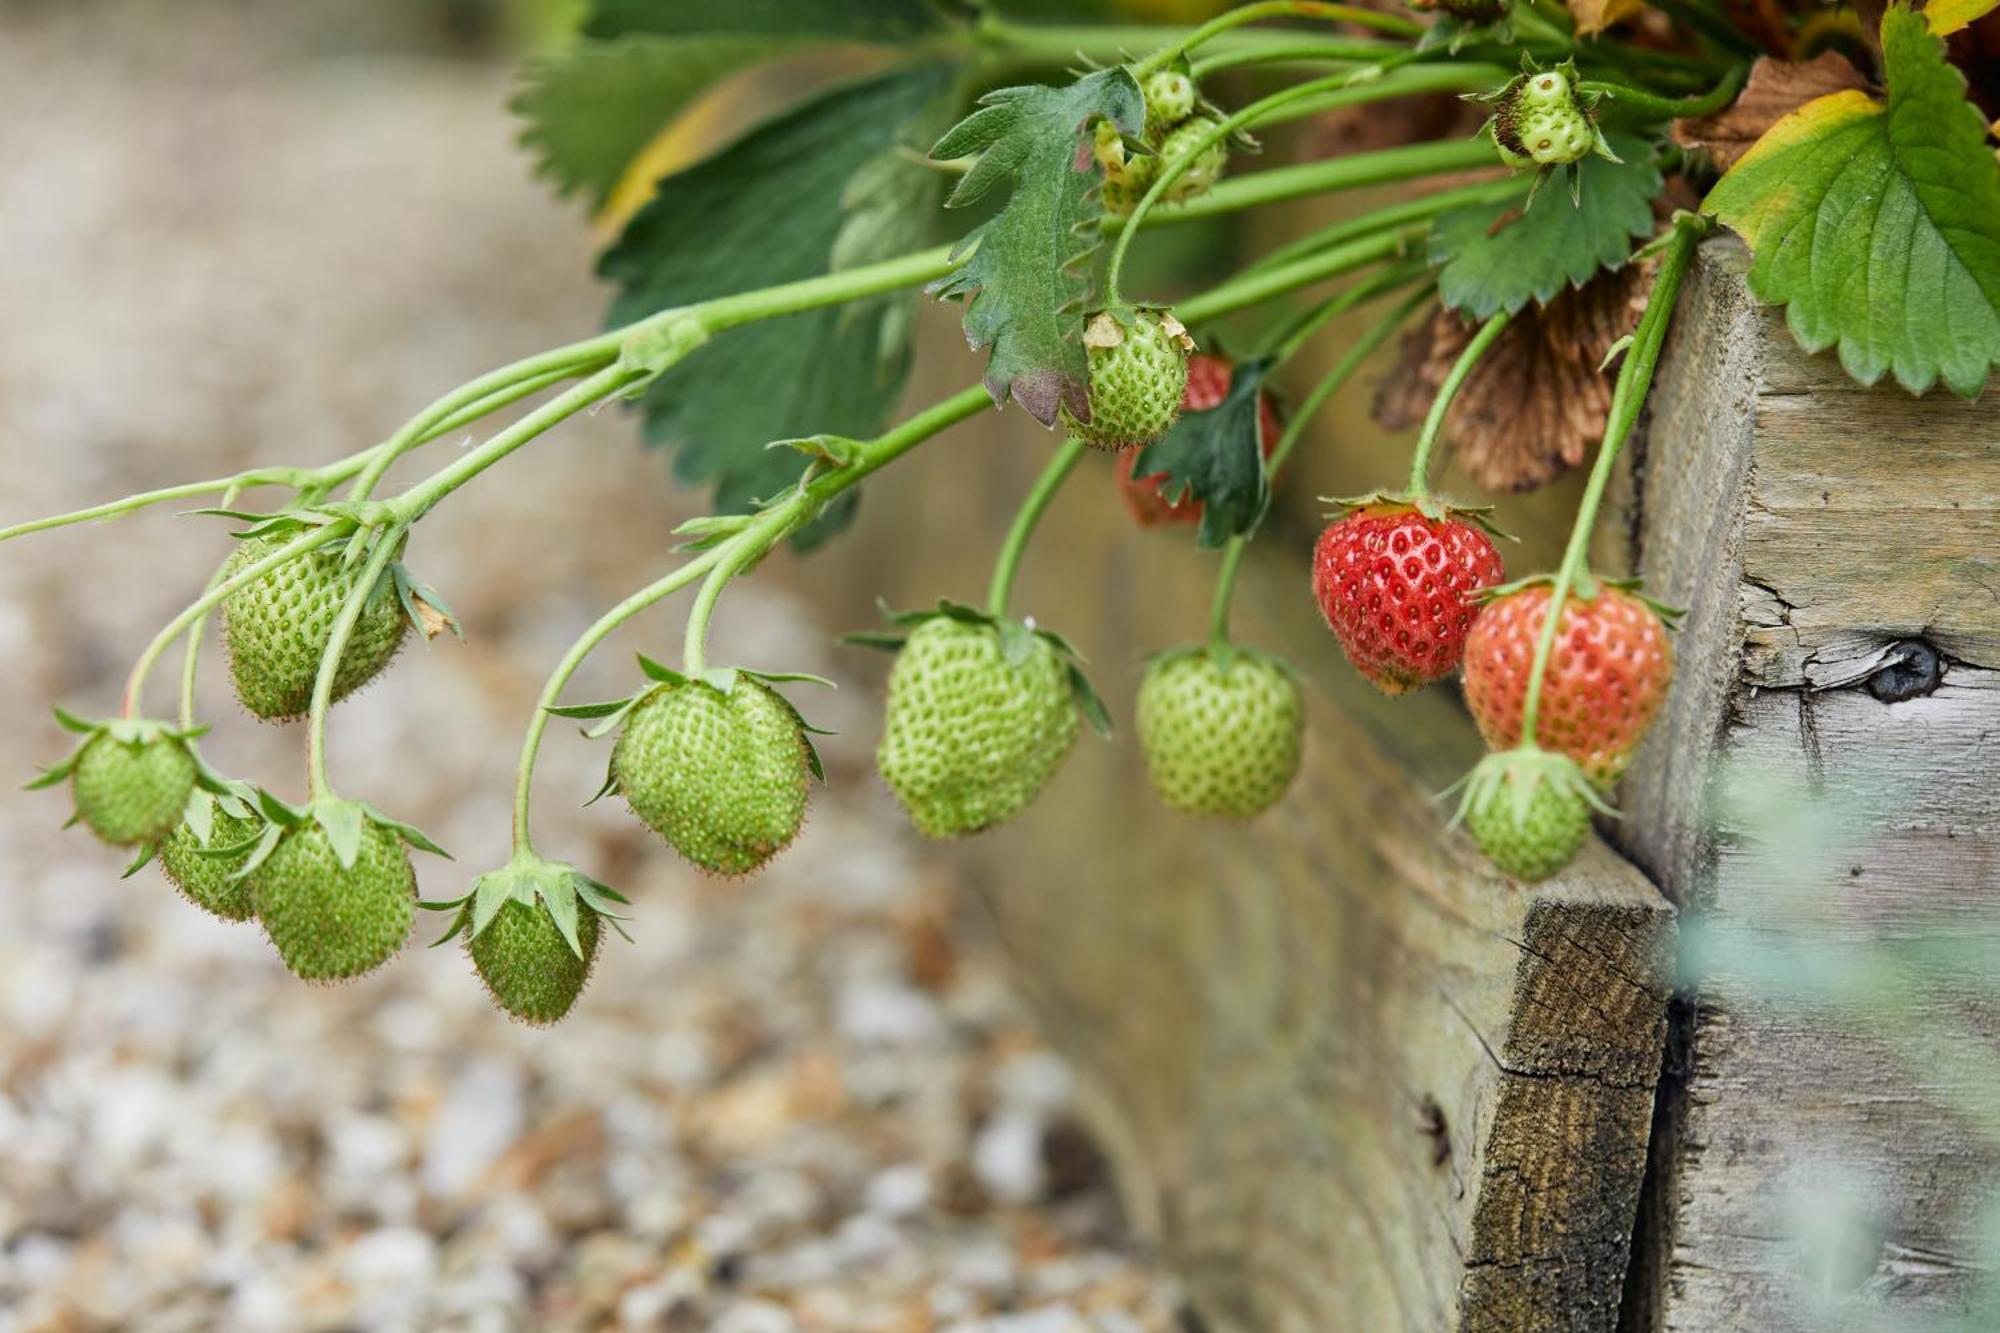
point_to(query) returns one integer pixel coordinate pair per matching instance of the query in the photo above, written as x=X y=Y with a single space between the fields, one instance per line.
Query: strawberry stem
x=1330 y=383
x=1628 y=398
x=191 y=664
x=386 y=544
x=1394 y=25
x=135 y=683
x=1461 y=370
x=1672 y=108
x=1030 y=513
x=1322 y=94
x=769 y=528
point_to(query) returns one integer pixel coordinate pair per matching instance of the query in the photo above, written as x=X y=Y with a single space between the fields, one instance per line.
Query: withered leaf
x=1594 y=16
x=1776 y=89
x=1537 y=402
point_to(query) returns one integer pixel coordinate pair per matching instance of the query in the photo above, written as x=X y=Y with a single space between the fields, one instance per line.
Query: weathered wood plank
x=1812 y=527
x=1349 y=1077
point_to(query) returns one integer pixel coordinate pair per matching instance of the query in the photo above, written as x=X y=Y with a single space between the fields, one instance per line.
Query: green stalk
x=1308 y=52
x=386 y=543
x=1420 y=461
x=1395 y=215
x=1250 y=289
x=191 y=663
x=1406 y=82
x=1672 y=108
x=1635 y=378
x=769 y=528
x=1280 y=184
x=1030 y=513
x=1284 y=345
x=1343 y=370
x=1265 y=110
x=135 y=683
x=1276 y=9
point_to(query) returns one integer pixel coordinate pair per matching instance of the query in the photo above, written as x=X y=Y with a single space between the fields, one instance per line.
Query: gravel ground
x=805 y=1102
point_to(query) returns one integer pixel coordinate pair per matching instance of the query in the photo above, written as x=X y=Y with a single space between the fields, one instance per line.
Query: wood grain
x=1350 y=1078
x=1810 y=526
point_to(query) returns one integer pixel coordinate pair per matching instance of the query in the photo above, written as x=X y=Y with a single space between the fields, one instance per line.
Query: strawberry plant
x=763 y=329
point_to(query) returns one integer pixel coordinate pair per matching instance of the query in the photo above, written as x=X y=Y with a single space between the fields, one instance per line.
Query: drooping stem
x=1394 y=215
x=135 y=683
x=1635 y=378
x=1246 y=290
x=1285 y=343
x=365 y=588
x=694 y=650
x=768 y=529
x=1461 y=370
x=1343 y=370
x=1265 y=109
x=1279 y=184
x=423 y=497
x=1672 y=108
x=1025 y=519
x=191 y=663
x=1276 y=9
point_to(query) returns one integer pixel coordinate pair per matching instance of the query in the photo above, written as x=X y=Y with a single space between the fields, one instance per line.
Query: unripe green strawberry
x=721 y=775
x=1206 y=164
x=527 y=966
x=277 y=627
x=1138 y=373
x=212 y=882
x=978 y=721
x=1170 y=99
x=1221 y=734
x=131 y=786
x=329 y=921
x=1529 y=811
x=531 y=929
x=1539 y=119
x=1127 y=176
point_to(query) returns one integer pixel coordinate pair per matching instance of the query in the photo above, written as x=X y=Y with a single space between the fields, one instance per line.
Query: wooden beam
x=1350 y=1078
x=1818 y=532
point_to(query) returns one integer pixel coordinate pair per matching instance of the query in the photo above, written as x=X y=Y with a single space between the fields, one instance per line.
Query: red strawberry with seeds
x=1608 y=674
x=1208 y=384
x=1397 y=588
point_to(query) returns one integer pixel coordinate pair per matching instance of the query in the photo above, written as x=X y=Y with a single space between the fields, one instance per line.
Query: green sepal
x=126 y=730
x=410 y=593
x=342 y=821
x=563 y=889
x=1493 y=774
x=139 y=862
x=589 y=712
x=1433 y=507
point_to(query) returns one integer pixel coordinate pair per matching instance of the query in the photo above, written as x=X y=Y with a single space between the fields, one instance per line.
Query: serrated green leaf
x=1028 y=277
x=1499 y=256
x=1877 y=225
x=1216 y=456
x=770 y=208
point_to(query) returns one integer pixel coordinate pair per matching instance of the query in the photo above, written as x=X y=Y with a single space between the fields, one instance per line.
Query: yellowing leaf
x=1594 y=16
x=1946 y=17
x=1877 y=225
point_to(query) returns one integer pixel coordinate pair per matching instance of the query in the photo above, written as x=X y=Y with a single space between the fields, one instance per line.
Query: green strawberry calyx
x=1513 y=775
x=1224 y=653
x=371 y=521
x=1018 y=639
x=529 y=880
x=136 y=732
x=342 y=821
x=1542 y=91
x=1435 y=508
x=610 y=714
x=1584 y=587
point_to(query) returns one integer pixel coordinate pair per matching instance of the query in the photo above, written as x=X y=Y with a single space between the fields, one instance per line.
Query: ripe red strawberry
x=1207 y=386
x=1397 y=589
x=1608 y=674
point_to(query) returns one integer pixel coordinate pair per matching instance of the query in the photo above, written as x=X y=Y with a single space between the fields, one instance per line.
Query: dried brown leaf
x=1594 y=16
x=1537 y=402
x=1776 y=89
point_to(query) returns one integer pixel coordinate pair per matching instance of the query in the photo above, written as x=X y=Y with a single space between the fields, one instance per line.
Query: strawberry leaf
x=1216 y=457
x=824 y=184
x=1027 y=280
x=1877 y=225
x=590 y=109
x=1500 y=256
